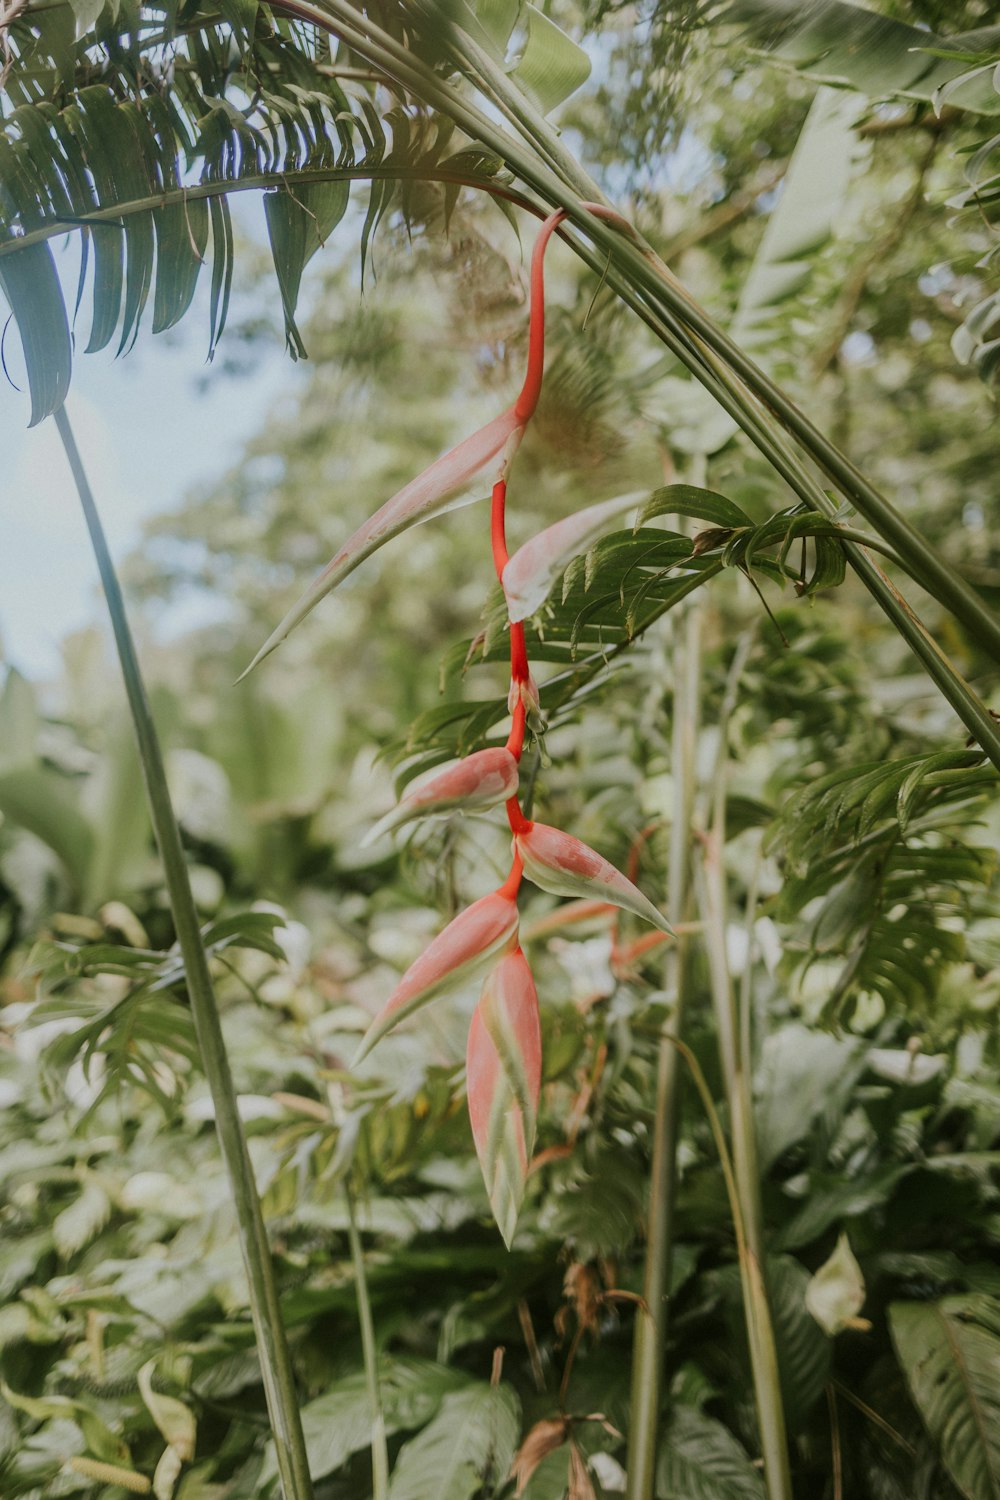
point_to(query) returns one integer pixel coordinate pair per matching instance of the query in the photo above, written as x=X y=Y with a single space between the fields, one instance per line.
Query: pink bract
x=484 y=928
x=504 y=1073
x=565 y=866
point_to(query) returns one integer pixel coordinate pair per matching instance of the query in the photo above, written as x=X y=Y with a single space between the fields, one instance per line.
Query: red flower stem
x=524 y=409
x=512 y=884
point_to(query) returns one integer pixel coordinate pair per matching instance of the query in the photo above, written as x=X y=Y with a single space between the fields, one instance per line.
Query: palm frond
x=143 y=173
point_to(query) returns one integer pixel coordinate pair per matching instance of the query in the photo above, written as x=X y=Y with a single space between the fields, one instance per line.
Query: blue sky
x=150 y=429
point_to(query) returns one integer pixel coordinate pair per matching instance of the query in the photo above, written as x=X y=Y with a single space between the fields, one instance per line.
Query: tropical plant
x=135 y=129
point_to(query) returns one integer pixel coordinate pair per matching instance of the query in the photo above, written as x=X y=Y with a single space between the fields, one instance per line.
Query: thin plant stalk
x=651 y=1323
x=710 y=886
x=265 y=1309
x=380 y=1450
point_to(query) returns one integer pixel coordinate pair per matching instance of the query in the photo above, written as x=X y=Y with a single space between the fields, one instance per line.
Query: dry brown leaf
x=581 y=1485
x=544 y=1438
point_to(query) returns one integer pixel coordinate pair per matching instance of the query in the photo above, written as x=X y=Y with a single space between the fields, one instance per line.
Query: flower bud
x=481 y=780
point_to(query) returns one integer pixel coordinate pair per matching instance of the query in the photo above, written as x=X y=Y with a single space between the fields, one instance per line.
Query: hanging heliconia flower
x=504 y=1058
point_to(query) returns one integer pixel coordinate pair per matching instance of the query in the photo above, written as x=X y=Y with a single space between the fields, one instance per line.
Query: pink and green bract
x=504 y=1058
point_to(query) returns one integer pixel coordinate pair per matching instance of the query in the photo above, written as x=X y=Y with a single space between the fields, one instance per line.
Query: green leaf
x=298 y=224
x=30 y=283
x=552 y=66
x=950 y=1354
x=19 y=717
x=36 y=799
x=699 y=1459
x=804 y=1351
x=338 y=1423
x=467 y=1448
x=82 y=1220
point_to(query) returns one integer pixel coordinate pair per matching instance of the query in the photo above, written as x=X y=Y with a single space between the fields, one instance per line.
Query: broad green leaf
x=699 y=1459
x=36 y=798
x=950 y=1354
x=804 y=1351
x=551 y=66
x=338 y=1423
x=468 y=1447
x=82 y=1220
x=30 y=283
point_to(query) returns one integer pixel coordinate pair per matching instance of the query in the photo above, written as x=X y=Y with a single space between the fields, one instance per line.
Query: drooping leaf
x=30 y=284
x=950 y=1354
x=298 y=224
x=504 y=1070
x=429 y=492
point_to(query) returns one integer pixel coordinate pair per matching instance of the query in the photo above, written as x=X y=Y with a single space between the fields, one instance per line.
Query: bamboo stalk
x=710 y=886
x=265 y=1308
x=652 y=1320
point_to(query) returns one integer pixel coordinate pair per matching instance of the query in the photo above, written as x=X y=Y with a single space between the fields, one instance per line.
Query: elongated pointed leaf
x=468 y=941
x=534 y=568
x=477 y=782
x=410 y=505
x=31 y=286
x=504 y=1072
x=298 y=224
x=562 y=864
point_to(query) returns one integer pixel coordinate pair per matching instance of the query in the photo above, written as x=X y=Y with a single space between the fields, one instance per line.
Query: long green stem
x=265 y=1309
x=651 y=1324
x=710 y=884
x=380 y=1450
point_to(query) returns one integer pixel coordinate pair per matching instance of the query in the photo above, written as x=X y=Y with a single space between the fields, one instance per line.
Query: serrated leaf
x=950 y=1354
x=467 y=1448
